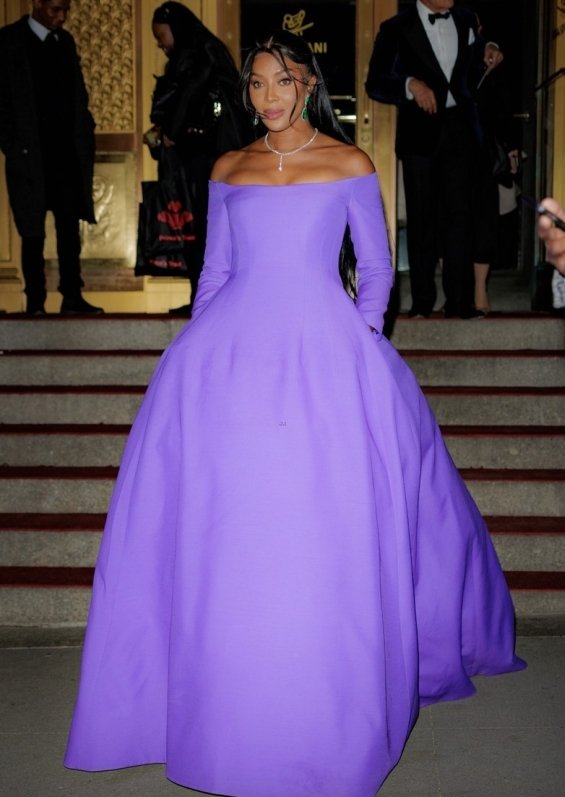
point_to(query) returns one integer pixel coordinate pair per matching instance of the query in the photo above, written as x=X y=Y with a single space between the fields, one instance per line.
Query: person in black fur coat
x=195 y=109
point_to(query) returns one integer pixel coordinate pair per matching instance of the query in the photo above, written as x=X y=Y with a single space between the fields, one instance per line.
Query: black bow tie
x=433 y=17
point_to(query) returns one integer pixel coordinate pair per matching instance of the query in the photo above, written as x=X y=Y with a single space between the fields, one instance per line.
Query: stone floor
x=507 y=741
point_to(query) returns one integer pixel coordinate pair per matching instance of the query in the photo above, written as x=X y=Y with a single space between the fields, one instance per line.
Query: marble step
x=93 y=445
x=61 y=489
x=544 y=368
x=118 y=405
x=139 y=331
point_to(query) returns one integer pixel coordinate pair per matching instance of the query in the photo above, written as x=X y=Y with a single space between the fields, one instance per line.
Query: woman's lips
x=272 y=114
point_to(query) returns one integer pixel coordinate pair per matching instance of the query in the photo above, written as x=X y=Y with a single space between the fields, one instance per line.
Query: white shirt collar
x=40 y=30
x=424 y=13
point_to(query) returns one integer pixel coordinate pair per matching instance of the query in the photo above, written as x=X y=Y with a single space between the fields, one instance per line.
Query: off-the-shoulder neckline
x=291 y=185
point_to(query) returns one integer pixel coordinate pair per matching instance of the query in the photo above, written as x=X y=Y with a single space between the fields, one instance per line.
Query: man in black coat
x=47 y=136
x=427 y=60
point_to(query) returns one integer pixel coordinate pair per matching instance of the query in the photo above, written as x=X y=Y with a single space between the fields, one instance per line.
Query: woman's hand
x=552 y=236
x=152 y=137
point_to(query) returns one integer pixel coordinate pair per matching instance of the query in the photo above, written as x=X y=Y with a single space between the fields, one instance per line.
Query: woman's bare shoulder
x=225 y=164
x=231 y=163
x=355 y=162
x=347 y=160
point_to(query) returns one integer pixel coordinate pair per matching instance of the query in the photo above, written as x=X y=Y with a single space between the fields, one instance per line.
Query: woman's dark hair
x=189 y=33
x=192 y=39
x=185 y=26
x=287 y=47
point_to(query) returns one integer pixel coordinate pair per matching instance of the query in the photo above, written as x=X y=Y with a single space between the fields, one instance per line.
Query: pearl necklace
x=292 y=151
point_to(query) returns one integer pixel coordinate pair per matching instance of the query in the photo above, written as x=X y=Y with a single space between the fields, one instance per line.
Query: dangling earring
x=255 y=119
x=305 y=109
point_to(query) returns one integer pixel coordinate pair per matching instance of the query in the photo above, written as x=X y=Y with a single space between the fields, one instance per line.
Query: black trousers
x=61 y=200
x=441 y=182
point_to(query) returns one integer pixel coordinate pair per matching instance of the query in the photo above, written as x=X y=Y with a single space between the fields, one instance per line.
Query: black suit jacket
x=19 y=131
x=402 y=50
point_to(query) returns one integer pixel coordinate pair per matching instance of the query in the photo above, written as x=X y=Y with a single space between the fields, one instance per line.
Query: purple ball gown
x=291 y=564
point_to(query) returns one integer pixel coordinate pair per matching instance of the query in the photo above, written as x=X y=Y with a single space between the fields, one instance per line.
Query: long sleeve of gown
x=369 y=234
x=218 y=255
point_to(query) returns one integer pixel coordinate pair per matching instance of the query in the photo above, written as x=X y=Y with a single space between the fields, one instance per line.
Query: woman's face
x=278 y=94
x=164 y=37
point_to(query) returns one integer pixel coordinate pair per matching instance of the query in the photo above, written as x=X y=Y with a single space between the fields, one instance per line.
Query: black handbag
x=166 y=238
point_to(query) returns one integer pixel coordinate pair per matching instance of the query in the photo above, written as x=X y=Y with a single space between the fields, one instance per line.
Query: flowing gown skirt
x=292 y=564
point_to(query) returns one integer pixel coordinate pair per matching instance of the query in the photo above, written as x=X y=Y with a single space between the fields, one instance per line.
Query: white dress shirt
x=40 y=30
x=443 y=38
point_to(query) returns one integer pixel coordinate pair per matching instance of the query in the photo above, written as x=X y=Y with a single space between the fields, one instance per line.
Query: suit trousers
x=439 y=191
x=61 y=200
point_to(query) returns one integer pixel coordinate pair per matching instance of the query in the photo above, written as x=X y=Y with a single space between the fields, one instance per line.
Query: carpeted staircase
x=70 y=388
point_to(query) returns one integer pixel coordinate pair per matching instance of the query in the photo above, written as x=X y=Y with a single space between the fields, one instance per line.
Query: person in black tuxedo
x=47 y=136
x=427 y=60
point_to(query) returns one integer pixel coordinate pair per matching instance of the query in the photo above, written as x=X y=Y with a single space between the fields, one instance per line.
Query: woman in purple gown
x=291 y=565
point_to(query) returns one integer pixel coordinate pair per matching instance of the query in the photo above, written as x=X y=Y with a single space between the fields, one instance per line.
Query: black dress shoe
x=415 y=313
x=469 y=313
x=79 y=306
x=35 y=309
x=184 y=309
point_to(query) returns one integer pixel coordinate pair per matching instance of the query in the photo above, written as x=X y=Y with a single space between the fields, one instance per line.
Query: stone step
x=492 y=368
x=140 y=331
x=51 y=548
x=517 y=492
x=72 y=522
x=463 y=368
x=46 y=570
x=505 y=332
x=61 y=600
x=77 y=368
x=44 y=607
x=48 y=490
x=71 y=405
x=72 y=387
x=118 y=404
x=88 y=445
x=506 y=446
x=493 y=406
x=97 y=445
x=131 y=331
x=497 y=492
